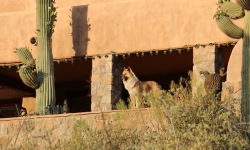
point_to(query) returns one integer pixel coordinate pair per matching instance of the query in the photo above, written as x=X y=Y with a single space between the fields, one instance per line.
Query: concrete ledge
x=71 y=114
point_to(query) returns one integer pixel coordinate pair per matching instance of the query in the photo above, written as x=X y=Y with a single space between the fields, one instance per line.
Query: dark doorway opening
x=161 y=68
x=73 y=83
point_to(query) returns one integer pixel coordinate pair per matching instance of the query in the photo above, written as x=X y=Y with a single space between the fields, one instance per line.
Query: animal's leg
x=132 y=101
x=137 y=102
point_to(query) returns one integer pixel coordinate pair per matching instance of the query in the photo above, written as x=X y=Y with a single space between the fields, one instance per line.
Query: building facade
x=160 y=40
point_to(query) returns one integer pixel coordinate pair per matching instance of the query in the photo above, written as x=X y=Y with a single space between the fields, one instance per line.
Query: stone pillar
x=106 y=83
x=208 y=58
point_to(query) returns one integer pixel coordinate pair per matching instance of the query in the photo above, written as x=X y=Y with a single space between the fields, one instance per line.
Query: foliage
x=182 y=122
x=178 y=120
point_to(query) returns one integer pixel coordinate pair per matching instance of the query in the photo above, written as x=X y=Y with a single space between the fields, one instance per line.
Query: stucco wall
x=27 y=5
x=101 y=26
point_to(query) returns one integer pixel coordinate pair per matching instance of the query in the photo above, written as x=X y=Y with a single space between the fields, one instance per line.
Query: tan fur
x=136 y=88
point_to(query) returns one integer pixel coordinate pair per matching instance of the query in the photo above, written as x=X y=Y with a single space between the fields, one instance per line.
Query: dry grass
x=179 y=120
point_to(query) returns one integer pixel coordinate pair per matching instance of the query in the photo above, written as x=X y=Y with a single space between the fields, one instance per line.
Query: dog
x=138 y=89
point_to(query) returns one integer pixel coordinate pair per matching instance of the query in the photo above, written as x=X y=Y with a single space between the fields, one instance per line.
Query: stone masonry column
x=208 y=58
x=106 y=83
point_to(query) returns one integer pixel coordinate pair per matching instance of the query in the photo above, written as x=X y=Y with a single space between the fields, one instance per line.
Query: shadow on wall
x=219 y=59
x=71 y=78
x=222 y=57
x=80 y=28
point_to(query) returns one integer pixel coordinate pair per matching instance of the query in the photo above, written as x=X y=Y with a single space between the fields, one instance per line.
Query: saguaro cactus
x=25 y=56
x=231 y=10
x=28 y=76
x=45 y=17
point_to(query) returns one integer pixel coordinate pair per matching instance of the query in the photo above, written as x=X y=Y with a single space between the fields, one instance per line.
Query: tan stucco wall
x=232 y=88
x=235 y=63
x=29 y=103
x=27 y=5
x=116 y=25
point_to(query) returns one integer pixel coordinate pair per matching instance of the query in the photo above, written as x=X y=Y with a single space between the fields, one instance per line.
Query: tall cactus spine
x=246 y=70
x=245 y=4
x=45 y=94
x=225 y=9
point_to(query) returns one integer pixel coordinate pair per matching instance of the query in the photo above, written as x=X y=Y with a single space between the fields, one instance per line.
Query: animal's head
x=127 y=74
x=222 y=69
x=205 y=73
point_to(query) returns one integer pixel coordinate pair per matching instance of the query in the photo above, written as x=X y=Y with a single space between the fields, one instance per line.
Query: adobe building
x=160 y=40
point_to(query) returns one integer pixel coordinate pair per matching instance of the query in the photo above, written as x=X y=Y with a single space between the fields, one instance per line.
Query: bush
x=178 y=121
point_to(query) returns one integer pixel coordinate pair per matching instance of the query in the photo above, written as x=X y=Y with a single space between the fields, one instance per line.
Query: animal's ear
x=129 y=69
x=124 y=68
x=222 y=68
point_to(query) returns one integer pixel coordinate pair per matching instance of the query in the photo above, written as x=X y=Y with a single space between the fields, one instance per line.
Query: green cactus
x=245 y=4
x=28 y=76
x=233 y=10
x=229 y=28
x=45 y=18
x=25 y=56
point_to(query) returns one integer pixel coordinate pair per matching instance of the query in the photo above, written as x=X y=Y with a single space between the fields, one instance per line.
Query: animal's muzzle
x=124 y=78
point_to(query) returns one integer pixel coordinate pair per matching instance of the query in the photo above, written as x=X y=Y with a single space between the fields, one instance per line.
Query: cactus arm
x=45 y=94
x=228 y=27
x=234 y=11
x=25 y=56
x=28 y=76
x=245 y=4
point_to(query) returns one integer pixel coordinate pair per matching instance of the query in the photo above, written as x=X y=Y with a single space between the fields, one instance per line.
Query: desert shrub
x=179 y=120
x=176 y=120
x=108 y=137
